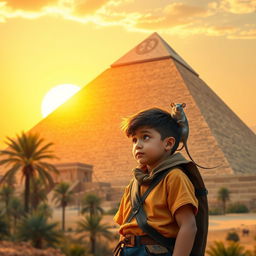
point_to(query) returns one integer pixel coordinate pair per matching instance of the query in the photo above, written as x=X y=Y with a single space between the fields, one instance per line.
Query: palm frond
x=14 y=145
x=43 y=149
x=8 y=152
x=10 y=172
x=49 y=156
x=50 y=167
x=23 y=144
x=9 y=161
x=44 y=175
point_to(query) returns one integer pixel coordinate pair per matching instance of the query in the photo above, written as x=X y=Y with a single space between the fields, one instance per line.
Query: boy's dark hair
x=155 y=118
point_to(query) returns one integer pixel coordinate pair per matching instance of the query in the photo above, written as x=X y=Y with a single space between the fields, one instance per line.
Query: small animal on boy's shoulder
x=178 y=114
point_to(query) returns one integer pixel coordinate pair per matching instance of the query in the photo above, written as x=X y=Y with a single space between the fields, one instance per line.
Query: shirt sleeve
x=118 y=218
x=180 y=191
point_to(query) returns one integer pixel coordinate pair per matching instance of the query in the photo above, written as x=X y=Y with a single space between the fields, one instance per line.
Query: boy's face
x=148 y=148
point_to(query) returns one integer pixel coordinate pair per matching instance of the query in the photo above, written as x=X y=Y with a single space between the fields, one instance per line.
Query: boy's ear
x=169 y=143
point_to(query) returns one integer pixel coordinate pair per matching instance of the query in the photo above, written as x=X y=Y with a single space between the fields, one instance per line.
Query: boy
x=172 y=205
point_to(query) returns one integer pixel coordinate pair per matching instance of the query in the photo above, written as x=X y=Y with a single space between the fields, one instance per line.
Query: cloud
x=28 y=5
x=238 y=6
x=175 y=14
x=247 y=31
x=176 y=18
x=77 y=7
x=84 y=7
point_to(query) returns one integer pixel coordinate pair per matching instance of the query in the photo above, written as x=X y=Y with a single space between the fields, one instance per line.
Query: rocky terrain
x=25 y=249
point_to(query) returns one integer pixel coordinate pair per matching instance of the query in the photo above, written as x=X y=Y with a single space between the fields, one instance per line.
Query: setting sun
x=57 y=96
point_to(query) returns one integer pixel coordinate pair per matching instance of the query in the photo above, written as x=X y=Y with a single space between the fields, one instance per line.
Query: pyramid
x=86 y=128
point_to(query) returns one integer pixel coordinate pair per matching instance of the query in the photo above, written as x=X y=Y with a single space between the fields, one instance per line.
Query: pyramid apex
x=154 y=47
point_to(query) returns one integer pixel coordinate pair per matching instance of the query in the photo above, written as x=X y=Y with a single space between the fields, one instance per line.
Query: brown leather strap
x=132 y=240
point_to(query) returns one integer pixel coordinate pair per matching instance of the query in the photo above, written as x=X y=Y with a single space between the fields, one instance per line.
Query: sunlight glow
x=57 y=96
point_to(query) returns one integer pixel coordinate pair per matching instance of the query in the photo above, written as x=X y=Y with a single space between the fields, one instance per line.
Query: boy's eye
x=134 y=140
x=145 y=137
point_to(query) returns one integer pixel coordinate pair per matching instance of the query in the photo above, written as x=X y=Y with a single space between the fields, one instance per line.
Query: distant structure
x=86 y=129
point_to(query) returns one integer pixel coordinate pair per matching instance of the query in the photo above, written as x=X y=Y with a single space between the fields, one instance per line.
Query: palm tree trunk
x=93 y=243
x=15 y=224
x=91 y=210
x=39 y=243
x=6 y=203
x=27 y=192
x=34 y=201
x=63 y=218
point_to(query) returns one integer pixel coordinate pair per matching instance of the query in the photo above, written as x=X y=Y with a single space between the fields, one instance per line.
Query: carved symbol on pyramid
x=147 y=46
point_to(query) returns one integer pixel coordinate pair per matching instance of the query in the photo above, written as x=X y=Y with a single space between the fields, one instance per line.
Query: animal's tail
x=180 y=148
x=195 y=162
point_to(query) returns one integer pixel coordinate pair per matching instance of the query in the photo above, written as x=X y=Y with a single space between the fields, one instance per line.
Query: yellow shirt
x=172 y=192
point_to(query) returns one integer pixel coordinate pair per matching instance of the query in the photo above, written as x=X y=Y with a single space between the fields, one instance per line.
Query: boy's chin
x=142 y=163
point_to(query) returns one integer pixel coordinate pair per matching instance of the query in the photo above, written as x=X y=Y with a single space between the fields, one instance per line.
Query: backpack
x=137 y=211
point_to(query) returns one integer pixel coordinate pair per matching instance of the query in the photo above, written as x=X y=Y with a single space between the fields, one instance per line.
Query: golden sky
x=45 y=43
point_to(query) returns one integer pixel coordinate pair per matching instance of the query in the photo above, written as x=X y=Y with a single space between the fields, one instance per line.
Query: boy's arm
x=185 y=218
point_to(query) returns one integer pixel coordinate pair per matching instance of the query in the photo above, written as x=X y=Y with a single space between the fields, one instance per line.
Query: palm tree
x=39 y=193
x=4 y=227
x=223 y=197
x=63 y=196
x=73 y=246
x=34 y=228
x=233 y=249
x=77 y=250
x=45 y=209
x=26 y=154
x=91 y=225
x=16 y=211
x=91 y=203
x=6 y=194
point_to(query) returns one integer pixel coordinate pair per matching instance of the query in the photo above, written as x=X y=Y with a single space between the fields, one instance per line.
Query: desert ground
x=219 y=225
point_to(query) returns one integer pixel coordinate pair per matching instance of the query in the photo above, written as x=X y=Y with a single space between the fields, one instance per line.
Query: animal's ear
x=172 y=104
x=183 y=105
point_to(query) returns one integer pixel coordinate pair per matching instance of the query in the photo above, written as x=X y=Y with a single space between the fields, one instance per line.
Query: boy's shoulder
x=176 y=173
x=177 y=176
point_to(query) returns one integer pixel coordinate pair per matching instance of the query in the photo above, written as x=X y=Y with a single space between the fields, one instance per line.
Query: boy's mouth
x=139 y=154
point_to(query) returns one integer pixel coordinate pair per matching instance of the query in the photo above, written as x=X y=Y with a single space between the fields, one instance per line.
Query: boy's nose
x=138 y=145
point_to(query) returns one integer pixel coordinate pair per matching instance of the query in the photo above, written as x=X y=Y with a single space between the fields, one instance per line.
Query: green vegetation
x=233 y=249
x=223 y=197
x=63 y=196
x=215 y=211
x=4 y=228
x=91 y=203
x=25 y=214
x=92 y=223
x=93 y=226
x=35 y=228
x=26 y=155
x=232 y=236
x=237 y=208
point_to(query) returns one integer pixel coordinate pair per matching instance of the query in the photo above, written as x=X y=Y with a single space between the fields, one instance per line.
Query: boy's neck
x=150 y=168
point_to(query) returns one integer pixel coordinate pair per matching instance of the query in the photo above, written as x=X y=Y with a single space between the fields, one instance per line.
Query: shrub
x=4 y=227
x=237 y=208
x=232 y=236
x=111 y=211
x=70 y=229
x=215 y=211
